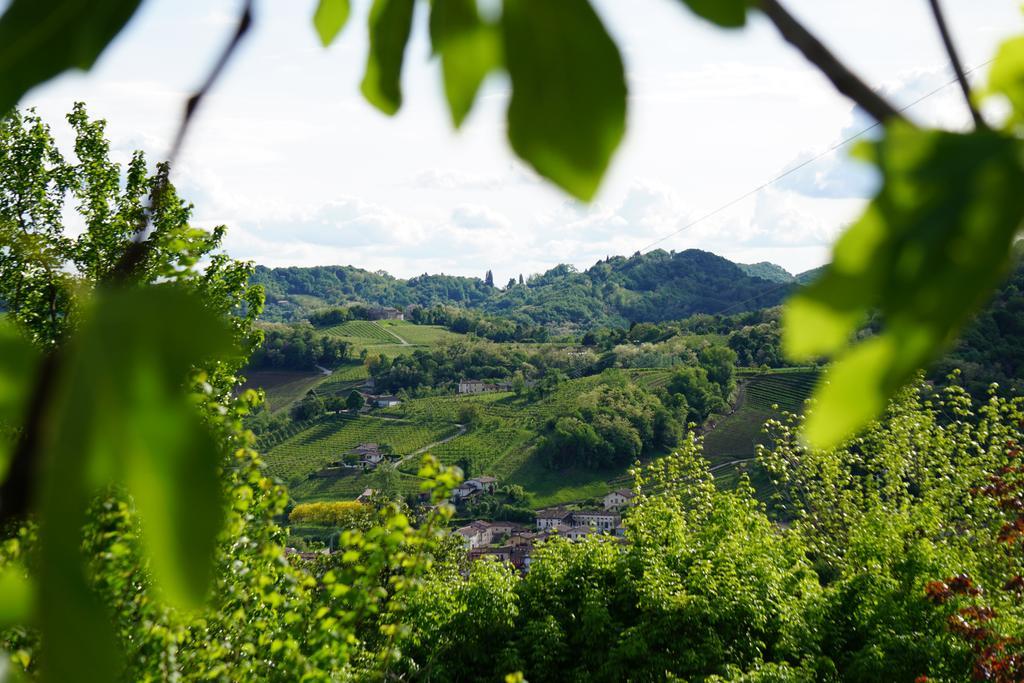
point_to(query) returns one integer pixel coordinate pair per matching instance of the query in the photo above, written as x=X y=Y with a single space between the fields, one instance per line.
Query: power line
x=807 y=162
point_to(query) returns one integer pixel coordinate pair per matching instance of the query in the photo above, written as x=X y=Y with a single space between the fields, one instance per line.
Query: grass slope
x=419 y=335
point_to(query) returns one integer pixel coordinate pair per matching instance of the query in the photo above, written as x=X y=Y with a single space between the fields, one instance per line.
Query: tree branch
x=137 y=251
x=954 y=59
x=842 y=78
x=17 y=490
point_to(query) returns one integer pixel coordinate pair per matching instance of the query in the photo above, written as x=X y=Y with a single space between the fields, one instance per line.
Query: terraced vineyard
x=502 y=443
x=308 y=451
x=497 y=450
x=362 y=332
x=736 y=436
x=653 y=378
x=446 y=408
x=786 y=390
x=347 y=488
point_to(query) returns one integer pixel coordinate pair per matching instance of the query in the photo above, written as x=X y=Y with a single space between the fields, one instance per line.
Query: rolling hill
x=619 y=290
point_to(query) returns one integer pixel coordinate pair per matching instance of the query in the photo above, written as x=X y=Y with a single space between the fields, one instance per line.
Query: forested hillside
x=650 y=287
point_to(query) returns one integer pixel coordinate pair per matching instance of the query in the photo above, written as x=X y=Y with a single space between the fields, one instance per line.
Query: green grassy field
x=283 y=387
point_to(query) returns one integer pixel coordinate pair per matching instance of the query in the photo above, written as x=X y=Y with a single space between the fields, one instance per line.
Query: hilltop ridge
x=619 y=290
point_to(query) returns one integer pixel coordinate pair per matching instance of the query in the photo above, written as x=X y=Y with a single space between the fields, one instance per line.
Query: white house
x=618 y=499
x=472 y=487
x=604 y=521
x=369 y=454
x=550 y=518
x=386 y=401
x=487 y=484
x=576 y=533
x=475 y=534
x=462 y=491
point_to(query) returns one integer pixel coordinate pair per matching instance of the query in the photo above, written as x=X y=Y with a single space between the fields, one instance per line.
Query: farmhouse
x=369 y=454
x=487 y=484
x=478 y=386
x=386 y=401
x=604 y=521
x=576 y=533
x=552 y=517
x=618 y=499
x=474 y=486
x=475 y=534
x=479 y=534
x=386 y=313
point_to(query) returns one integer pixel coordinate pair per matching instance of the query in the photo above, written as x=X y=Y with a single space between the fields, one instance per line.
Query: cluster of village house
x=513 y=543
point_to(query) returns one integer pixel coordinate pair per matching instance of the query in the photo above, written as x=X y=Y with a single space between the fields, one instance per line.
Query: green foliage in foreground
x=707 y=588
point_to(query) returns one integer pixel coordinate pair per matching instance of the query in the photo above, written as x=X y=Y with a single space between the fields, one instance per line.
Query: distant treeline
x=440 y=368
x=652 y=287
x=461 y=320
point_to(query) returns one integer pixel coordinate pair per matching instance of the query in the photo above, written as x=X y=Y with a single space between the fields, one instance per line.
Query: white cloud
x=302 y=170
x=474 y=217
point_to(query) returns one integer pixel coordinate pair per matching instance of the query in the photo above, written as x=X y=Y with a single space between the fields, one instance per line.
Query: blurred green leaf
x=18 y=361
x=727 y=13
x=39 y=39
x=469 y=50
x=922 y=255
x=122 y=414
x=567 y=114
x=390 y=22
x=17 y=595
x=330 y=17
x=1007 y=76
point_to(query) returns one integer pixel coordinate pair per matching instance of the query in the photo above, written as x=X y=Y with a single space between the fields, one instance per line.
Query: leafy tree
x=470 y=415
x=701 y=396
x=489 y=279
x=607 y=426
x=875 y=515
x=355 y=401
x=309 y=407
x=297 y=347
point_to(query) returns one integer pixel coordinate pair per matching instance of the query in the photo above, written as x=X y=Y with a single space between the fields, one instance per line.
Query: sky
x=303 y=171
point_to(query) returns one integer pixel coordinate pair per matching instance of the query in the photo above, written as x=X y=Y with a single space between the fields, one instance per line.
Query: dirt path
x=324 y=371
x=462 y=430
x=741 y=398
x=400 y=340
x=723 y=465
